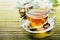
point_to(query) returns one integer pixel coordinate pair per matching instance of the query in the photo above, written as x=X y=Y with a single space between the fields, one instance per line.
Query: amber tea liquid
x=37 y=18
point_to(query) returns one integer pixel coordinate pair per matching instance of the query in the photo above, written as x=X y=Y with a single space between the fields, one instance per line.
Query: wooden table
x=11 y=30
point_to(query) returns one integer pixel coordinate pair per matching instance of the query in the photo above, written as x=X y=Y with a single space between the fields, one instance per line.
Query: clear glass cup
x=38 y=17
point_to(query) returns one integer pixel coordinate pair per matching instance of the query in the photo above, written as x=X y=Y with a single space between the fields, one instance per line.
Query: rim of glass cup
x=32 y=11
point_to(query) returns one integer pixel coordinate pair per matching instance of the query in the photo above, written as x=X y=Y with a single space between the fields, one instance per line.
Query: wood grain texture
x=9 y=24
x=8 y=10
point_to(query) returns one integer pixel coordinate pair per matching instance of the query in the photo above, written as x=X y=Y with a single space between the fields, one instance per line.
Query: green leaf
x=54 y=1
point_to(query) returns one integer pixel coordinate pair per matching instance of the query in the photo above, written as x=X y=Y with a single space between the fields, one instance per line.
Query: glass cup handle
x=52 y=17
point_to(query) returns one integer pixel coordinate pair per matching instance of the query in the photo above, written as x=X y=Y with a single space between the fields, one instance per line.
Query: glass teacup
x=38 y=17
